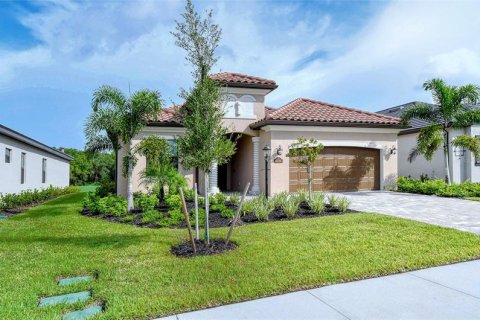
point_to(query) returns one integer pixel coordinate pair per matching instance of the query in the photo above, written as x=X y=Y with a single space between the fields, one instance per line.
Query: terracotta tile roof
x=310 y=111
x=169 y=116
x=242 y=80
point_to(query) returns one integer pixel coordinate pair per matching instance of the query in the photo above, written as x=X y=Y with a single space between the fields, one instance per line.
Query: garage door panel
x=340 y=169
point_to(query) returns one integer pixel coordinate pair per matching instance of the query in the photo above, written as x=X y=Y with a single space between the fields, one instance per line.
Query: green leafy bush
x=173 y=201
x=248 y=206
x=227 y=212
x=189 y=194
x=106 y=188
x=290 y=207
x=438 y=187
x=173 y=218
x=218 y=198
x=146 y=202
x=201 y=217
x=343 y=204
x=29 y=197
x=217 y=207
x=112 y=205
x=150 y=216
x=129 y=218
x=317 y=203
x=302 y=195
x=90 y=202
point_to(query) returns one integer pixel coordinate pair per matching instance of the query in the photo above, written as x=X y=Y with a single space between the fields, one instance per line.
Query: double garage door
x=339 y=169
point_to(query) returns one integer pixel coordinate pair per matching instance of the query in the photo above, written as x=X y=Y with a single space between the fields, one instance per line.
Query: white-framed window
x=8 y=155
x=23 y=161
x=44 y=170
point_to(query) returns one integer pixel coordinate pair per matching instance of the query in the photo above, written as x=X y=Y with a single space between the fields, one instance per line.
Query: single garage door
x=339 y=169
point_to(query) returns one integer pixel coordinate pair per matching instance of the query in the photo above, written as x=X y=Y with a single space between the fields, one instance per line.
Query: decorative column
x=256 y=162
x=213 y=179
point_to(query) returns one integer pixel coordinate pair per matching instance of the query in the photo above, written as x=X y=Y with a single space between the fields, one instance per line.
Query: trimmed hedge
x=36 y=196
x=439 y=188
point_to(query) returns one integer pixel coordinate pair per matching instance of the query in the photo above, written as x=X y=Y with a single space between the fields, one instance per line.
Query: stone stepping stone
x=3 y=217
x=66 y=298
x=84 y=313
x=68 y=281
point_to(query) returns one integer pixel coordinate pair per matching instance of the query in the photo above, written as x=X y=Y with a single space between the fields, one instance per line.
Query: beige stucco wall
x=275 y=136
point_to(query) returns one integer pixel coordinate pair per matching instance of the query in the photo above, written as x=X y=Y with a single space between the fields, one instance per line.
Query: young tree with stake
x=304 y=152
x=205 y=142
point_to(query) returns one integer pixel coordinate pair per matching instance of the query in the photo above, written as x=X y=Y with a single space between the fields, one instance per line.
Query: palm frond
x=468 y=94
x=98 y=143
x=429 y=140
x=466 y=119
x=468 y=143
x=108 y=96
x=421 y=111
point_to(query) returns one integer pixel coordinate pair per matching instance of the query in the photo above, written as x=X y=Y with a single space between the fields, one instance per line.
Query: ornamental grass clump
x=263 y=207
x=280 y=199
x=234 y=198
x=317 y=202
x=291 y=206
x=333 y=200
x=343 y=204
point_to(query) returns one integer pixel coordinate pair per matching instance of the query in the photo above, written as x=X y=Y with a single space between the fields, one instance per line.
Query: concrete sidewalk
x=447 y=292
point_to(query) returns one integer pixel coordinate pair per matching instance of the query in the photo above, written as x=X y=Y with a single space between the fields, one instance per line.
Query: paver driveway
x=448 y=212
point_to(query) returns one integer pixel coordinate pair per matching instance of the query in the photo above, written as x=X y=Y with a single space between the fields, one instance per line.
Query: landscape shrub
x=302 y=195
x=290 y=207
x=128 y=218
x=106 y=188
x=227 y=212
x=317 y=203
x=90 y=202
x=248 y=206
x=280 y=199
x=112 y=205
x=218 y=198
x=145 y=202
x=217 y=207
x=343 y=204
x=438 y=187
x=29 y=197
x=150 y=216
x=201 y=217
x=173 y=218
x=173 y=201
x=262 y=207
x=333 y=200
x=189 y=194
x=234 y=199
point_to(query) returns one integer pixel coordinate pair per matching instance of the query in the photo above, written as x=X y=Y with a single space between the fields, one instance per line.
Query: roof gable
x=239 y=80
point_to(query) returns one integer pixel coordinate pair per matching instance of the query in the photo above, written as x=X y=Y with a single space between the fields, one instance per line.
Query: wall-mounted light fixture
x=279 y=150
x=459 y=152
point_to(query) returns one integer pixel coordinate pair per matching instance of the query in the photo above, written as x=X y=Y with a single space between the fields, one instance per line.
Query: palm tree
x=121 y=118
x=102 y=131
x=450 y=111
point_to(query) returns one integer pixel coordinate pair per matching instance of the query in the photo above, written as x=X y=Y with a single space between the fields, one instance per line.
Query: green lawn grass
x=88 y=188
x=140 y=279
x=473 y=198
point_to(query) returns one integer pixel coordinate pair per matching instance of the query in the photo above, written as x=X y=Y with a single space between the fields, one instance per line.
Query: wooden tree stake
x=237 y=214
x=187 y=218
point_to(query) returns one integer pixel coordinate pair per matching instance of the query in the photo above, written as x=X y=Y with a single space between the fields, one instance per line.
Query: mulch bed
x=216 y=246
x=217 y=221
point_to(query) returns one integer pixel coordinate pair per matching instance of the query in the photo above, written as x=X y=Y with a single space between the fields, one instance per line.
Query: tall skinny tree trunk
x=129 y=186
x=207 y=209
x=309 y=172
x=446 y=156
x=116 y=172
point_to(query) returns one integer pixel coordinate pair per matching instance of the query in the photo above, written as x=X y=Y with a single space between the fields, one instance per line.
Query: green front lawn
x=139 y=278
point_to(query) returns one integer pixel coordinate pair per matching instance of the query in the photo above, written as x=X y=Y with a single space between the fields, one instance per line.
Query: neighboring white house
x=463 y=165
x=28 y=164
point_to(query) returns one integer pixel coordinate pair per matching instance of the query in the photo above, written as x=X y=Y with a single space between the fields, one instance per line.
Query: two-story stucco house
x=28 y=164
x=360 y=147
x=463 y=165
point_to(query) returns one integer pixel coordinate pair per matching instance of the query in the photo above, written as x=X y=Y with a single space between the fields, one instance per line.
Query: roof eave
x=265 y=122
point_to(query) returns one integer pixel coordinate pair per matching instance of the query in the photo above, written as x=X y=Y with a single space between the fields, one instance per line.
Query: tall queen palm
x=118 y=120
x=450 y=111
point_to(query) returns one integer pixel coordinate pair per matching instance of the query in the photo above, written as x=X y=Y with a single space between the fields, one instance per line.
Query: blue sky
x=363 y=54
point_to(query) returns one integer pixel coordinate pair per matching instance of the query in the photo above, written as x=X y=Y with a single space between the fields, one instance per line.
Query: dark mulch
x=217 y=221
x=216 y=246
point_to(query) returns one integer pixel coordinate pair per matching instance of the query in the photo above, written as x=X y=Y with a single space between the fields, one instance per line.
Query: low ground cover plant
x=438 y=187
x=317 y=202
x=33 y=197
